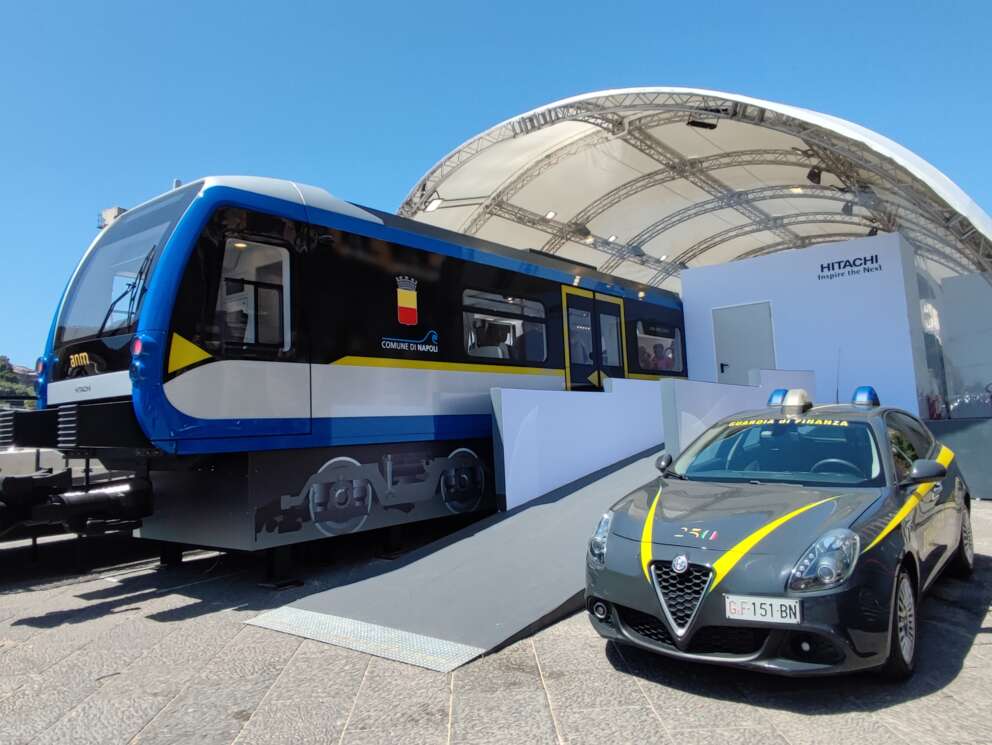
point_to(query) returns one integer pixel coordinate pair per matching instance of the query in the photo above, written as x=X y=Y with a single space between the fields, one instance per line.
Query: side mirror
x=663 y=462
x=925 y=471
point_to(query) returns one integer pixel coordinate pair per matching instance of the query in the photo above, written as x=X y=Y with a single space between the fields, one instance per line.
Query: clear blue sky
x=105 y=103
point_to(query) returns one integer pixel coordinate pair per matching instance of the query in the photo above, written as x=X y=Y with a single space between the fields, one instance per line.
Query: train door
x=238 y=360
x=595 y=340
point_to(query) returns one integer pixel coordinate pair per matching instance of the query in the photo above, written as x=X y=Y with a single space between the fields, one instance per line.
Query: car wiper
x=673 y=475
x=129 y=292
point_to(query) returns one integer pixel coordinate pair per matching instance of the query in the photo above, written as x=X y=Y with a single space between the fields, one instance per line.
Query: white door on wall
x=744 y=341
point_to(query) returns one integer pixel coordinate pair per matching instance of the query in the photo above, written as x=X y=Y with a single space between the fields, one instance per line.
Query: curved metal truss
x=876 y=193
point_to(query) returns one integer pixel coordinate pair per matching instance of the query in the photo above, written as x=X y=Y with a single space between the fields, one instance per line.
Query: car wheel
x=963 y=563
x=905 y=625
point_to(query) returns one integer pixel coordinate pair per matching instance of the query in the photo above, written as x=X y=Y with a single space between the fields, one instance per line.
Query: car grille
x=738 y=640
x=645 y=625
x=727 y=640
x=681 y=593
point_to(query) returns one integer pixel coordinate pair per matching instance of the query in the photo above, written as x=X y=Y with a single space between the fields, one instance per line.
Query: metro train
x=268 y=364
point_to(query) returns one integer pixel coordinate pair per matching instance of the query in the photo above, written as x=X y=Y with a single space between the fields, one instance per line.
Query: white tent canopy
x=644 y=182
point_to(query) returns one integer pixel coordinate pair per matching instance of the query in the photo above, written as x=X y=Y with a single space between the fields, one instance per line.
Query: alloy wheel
x=906 y=619
x=966 y=537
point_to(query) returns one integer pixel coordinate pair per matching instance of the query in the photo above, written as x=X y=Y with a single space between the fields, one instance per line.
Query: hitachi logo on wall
x=861 y=261
x=850 y=267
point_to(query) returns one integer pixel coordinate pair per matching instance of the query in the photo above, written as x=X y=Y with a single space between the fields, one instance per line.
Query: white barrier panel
x=546 y=439
x=690 y=406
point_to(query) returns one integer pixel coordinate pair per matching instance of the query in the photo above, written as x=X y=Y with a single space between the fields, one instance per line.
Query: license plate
x=769 y=610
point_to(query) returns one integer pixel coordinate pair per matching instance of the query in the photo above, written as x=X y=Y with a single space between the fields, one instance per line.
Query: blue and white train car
x=274 y=365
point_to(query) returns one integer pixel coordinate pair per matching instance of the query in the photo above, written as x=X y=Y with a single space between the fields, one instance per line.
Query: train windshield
x=109 y=286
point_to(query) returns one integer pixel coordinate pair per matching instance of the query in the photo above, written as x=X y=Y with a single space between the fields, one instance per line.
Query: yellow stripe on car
x=646 y=534
x=723 y=565
x=945 y=457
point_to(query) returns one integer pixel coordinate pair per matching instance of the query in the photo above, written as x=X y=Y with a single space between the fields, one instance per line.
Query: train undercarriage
x=240 y=501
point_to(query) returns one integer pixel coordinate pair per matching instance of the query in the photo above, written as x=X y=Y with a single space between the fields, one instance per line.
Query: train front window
x=107 y=290
x=253 y=300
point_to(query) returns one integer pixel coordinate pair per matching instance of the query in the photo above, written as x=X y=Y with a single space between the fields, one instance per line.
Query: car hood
x=716 y=516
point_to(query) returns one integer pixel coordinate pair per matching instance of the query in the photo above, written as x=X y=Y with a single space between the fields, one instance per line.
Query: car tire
x=963 y=562
x=905 y=629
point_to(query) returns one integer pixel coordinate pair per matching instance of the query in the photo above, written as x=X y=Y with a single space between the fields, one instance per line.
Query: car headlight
x=597 y=544
x=828 y=562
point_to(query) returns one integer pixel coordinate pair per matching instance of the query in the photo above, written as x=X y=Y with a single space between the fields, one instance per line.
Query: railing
x=14 y=401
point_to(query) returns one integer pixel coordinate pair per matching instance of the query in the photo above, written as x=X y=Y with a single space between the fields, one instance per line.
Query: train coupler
x=50 y=499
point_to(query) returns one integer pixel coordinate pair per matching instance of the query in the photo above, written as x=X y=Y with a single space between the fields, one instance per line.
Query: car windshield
x=806 y=451
x=108 y=287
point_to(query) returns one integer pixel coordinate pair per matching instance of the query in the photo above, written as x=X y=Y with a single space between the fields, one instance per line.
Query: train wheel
x=464 y=481
x=342 y=501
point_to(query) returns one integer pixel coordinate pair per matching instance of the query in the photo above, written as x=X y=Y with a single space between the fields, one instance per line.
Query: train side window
x=659 y=347
x=503 y=327
x=253 y=301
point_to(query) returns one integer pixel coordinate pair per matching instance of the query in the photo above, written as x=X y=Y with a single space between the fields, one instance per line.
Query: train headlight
x=828 y=562
x=597 y=544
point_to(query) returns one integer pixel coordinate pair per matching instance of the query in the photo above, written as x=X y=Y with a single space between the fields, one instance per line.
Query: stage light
x=612 y=238
x=550 y=215
x=701 y=124
x=814 y=175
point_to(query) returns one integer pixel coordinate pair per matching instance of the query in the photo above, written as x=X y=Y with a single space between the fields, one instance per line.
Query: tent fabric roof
x=643 y=182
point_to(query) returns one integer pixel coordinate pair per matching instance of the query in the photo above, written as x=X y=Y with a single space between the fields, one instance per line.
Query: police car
x=795 y=540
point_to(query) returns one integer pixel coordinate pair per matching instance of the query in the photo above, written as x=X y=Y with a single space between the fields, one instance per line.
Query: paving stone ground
x=130 y=653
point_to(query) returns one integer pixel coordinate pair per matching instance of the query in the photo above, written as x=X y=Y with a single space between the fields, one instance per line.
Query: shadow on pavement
x=953 y=618
x=121 y=573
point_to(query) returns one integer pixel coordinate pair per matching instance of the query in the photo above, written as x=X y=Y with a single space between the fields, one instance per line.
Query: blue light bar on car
x=778 y=397
x=865 y=395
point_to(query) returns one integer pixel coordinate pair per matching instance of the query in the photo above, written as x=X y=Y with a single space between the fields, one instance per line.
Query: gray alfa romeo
x=795 y=540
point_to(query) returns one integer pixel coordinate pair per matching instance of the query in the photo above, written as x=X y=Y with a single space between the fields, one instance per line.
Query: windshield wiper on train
x=130 y=292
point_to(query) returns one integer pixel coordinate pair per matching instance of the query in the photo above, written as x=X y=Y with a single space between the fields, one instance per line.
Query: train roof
x=315 y=196
x=530 y=256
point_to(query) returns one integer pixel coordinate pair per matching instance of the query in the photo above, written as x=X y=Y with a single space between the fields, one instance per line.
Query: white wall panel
x=551 y=438
x=690 y=406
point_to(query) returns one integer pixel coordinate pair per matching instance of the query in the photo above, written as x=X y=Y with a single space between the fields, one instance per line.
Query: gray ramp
x=470 y=592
